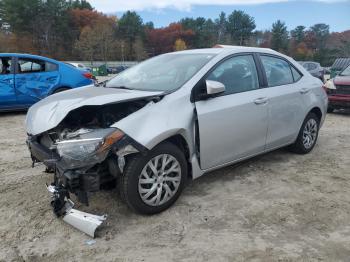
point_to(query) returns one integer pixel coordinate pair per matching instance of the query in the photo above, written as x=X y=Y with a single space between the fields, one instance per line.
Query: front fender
x=156 y=122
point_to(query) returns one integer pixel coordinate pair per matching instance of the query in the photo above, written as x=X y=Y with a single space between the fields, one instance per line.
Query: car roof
x=228 y=49
x=29 y=56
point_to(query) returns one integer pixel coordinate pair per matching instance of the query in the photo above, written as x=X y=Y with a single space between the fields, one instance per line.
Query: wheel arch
x=180 y=141
x=317 y=111
x=54 y=90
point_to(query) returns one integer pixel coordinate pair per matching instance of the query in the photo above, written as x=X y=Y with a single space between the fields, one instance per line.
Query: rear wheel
x=151 y=183
x=308 y=135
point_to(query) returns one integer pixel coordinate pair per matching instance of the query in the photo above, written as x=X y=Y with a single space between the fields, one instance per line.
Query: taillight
x=88 y=75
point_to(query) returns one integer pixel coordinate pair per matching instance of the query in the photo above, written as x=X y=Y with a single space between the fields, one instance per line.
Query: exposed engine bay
x=83 y=120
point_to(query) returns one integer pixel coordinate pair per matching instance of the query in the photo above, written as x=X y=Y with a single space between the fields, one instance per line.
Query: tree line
x=74 y=30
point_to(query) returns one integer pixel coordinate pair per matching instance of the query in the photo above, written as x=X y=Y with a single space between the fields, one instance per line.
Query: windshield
x=163 y=73
x=346 y=72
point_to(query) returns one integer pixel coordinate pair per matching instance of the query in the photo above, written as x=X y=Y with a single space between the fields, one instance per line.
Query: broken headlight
x=88 y=150
x=330 y=87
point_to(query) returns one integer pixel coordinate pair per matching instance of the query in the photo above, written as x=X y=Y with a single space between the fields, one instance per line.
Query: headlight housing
x=329 y=87
x=88 y=151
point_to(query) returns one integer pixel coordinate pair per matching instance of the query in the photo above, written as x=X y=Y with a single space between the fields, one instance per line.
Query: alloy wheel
x=310 y=133
x=159 y=180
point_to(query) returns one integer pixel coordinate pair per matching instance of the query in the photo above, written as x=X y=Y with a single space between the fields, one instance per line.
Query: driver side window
x=238 y=74
x=5 y=65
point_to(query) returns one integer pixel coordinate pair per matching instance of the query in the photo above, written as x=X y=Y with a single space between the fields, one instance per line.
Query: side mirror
x=214 y=87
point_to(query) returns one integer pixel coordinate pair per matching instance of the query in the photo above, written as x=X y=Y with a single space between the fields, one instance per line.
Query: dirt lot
x=276 y=207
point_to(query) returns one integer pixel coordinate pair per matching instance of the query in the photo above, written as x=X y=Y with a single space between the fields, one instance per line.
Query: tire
x=61 y=89
x=302 y=146
x=330 y=110
x=135 y=192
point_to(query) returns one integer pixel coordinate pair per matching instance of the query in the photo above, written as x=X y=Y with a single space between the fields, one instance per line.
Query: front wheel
x=308 y=135
x=151 y=183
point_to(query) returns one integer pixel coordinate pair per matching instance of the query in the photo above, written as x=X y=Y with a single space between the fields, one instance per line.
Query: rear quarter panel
x=317 y=97
x=72 y=77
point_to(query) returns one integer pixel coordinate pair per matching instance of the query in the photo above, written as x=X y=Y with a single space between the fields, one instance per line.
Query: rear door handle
x=7 y=81
x=304 y=91
x=261 y=101
x=51 y=78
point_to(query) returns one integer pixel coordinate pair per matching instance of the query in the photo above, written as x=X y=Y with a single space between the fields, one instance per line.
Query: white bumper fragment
x=85 y=222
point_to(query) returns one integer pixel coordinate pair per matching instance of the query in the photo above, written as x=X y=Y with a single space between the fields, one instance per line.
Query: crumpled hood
x=49 y=112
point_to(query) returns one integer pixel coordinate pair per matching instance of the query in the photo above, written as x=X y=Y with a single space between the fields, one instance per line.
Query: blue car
x=26 y=79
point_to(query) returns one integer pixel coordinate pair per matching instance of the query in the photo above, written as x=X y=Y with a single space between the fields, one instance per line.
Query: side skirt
x=198 y=172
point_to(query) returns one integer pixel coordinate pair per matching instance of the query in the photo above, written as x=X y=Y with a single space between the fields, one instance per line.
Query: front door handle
x=261 y=101
x=304 y=91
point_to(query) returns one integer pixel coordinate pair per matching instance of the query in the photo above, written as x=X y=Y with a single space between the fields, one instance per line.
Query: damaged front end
x=85 y=154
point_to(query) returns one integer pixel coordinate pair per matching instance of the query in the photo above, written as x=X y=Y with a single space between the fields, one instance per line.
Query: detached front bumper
x=63 y=207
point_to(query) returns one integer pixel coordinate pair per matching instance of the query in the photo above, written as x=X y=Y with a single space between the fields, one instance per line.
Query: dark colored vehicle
x=338 y=90
x=26 y=79
x=116 y=69
x=314 y=68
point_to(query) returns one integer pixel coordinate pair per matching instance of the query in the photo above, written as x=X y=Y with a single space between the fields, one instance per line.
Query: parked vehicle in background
x=80 y=66
x=338 y=91
x=116 y=69
x=26 y=79
x=174 y=117
x=339 y=65
x=314 y=68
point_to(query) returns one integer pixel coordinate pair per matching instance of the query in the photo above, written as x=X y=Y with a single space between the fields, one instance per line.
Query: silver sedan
x=172 y=118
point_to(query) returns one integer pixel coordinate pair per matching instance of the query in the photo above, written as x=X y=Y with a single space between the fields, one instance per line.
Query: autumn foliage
x=162 y=40
x=73 y=30
x=81 y=18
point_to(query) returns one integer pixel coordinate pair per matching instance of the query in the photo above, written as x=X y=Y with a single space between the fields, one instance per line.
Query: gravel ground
x=276 y=207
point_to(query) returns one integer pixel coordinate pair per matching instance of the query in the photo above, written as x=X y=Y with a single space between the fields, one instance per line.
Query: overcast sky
x=336 y=13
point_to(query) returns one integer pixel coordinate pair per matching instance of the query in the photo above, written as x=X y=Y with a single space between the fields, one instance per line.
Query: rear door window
x=278 y=71
x=26 y=66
